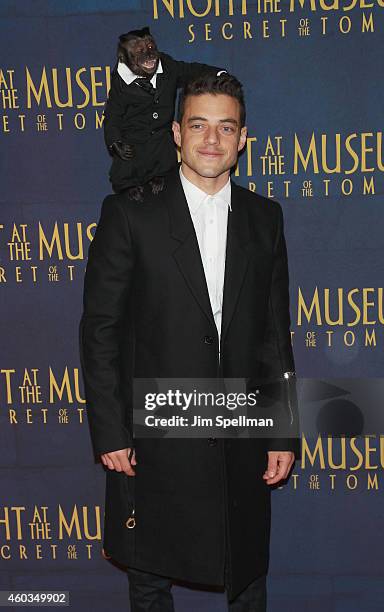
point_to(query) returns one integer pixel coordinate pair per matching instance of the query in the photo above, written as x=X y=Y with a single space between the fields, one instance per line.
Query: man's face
x=210 y=136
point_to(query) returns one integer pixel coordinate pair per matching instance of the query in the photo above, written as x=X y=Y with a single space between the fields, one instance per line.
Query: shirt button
x=155 y=115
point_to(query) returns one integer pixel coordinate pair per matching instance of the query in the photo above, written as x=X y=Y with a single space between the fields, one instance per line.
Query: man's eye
x=197 y=125
x=228 y=128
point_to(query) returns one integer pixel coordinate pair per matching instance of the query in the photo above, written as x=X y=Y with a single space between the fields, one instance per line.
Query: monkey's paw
x=157 y=184
x=136 y=193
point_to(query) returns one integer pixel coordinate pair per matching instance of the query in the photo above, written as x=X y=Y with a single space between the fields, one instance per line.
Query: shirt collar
x=196 y=196
x=128 y=76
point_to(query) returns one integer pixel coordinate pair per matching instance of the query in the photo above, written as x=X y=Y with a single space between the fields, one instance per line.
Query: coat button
x=155 y=115
x=208 y=339
x=212 y=441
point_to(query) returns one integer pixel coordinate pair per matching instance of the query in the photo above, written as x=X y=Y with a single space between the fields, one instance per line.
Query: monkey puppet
x=140 y=110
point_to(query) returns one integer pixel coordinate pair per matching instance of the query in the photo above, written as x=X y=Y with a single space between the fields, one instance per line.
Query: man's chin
x=210 y=172
x=205 y=169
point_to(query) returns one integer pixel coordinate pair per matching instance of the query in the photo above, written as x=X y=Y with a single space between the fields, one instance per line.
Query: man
x=157 y=303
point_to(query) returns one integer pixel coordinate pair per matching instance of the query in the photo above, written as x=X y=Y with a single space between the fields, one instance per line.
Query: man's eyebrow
x=227 y=120
x=196 y=118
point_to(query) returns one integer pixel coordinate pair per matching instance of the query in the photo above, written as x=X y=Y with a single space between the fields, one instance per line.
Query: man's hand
x=279 y=464
x=118 y=460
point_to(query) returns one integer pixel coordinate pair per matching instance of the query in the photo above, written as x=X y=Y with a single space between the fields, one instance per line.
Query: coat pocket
x=120 y=500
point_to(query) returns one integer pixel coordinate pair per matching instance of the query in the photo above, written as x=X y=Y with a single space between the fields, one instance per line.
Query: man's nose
x=211 y=135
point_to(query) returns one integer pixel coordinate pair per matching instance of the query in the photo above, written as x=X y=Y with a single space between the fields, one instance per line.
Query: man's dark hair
x=209 y=83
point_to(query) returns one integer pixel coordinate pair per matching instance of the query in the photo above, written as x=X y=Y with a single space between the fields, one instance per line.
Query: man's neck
x=209 y=185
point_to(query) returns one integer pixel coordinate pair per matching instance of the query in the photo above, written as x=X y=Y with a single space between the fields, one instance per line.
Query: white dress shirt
x=210 y=215
x=128 y=76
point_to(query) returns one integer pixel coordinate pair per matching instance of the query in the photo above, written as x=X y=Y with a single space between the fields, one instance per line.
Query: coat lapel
x=162 y=78
x=236 y=258
x=187 y=253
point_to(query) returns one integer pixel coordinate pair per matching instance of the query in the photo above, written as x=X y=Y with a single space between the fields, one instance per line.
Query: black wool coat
x=147 y=314
x=144 y=120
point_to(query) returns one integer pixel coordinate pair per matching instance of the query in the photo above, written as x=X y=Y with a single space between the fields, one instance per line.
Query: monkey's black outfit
x=141 y=115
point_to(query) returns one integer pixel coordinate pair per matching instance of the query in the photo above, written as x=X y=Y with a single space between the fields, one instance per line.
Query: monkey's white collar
x=128 y=76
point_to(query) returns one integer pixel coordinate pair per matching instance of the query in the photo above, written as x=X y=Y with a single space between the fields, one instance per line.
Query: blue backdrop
x=312 y=74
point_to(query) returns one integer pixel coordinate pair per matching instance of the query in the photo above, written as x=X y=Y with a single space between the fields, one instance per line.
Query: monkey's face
x=141 y=56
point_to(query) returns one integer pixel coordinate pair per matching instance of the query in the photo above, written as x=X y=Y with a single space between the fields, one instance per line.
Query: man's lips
x=210 y=153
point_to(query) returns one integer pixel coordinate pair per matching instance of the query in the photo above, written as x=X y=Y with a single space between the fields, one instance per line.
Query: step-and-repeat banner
x=312 y=75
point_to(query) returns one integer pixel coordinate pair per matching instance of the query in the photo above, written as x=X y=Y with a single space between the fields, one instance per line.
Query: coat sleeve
x=187 y=71
x=277 y=355
x=107 y=284
x=114 y=111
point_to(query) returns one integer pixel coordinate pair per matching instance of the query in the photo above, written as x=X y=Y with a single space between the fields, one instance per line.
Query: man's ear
x=176 y=133
x=243 y=138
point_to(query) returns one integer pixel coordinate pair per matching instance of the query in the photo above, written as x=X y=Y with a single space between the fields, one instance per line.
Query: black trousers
x=152 y=593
